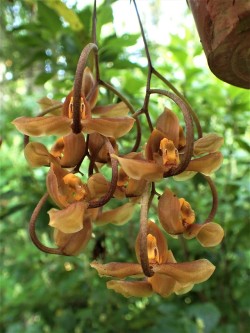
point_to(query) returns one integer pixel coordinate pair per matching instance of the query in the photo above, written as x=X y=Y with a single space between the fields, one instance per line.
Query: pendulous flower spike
x=88 y=135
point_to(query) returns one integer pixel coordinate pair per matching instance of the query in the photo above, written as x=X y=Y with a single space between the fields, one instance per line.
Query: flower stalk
x=147 y=270
x=32 y=228
x=76 y=126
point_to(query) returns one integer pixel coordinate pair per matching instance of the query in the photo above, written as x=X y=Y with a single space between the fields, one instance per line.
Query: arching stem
x=144 y=232
x=176 y=91
x=215 y=199
x=32 y=229
x=76 y=126
x=144 y=108
x=129 y=105
x=94 y=40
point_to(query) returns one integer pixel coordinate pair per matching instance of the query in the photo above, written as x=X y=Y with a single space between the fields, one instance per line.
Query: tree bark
x=224 y=30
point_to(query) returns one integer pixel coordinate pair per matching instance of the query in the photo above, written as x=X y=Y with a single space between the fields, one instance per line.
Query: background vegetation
x=41 y=42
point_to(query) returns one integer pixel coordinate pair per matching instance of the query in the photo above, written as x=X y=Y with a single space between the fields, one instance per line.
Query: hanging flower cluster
x=86 y=129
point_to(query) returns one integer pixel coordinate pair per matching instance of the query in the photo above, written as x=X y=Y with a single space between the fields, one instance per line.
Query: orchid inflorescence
x=86 y=130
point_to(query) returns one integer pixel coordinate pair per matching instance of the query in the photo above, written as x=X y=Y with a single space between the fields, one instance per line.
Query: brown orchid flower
x=98 y=149
x=163 y=152
x=131 y=188
x=207 y=159
x=169 y=277
x=73 y=243
x=106 y=124
x=72 y=222
x=68 y=151
x=177 y=217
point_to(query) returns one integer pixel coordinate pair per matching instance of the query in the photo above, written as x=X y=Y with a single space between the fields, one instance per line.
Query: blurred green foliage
x=41 y=42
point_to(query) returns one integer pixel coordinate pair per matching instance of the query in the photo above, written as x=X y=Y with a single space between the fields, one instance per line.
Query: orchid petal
x=162 y=284
x=169 y=211
x=46 y=103
x=41 y=126
x=168 y=123
x=179 y=289
x=112 y=111
x=69 y=219
x=118 y=269
x=131 y=288
x=122 y=178
x=206 y=164
x=117 y=216
x=65 y=187
x=140 y=169
x=209 y=143
x=161 y=243
x=135 y=188
x=88 y=81
x=185 y=175
x=70 y=149
x=97 y=185
x=74 y=243
x=98 y=148
x=187 y=272
x=54 y=181
x=37 y=154
x=109 y=127
x=153 y=144
x=93 y=213
x=208 y=234
x=88 y=84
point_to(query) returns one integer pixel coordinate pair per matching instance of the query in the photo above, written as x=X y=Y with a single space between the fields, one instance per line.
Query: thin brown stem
x=114 y=165
x=152 y=194
x=51 y=108
x=94 y=19
x=76 y=126
x=92 y=159
x=77 y=167
x=94 y=40
x=215 y=199
x=132 y=110
x=26 y=140
x=176 y=91
x=144 y=232
x=184 y=246
x=118 y=94
x=143 y=35
x=144 y=109
x=32 y=229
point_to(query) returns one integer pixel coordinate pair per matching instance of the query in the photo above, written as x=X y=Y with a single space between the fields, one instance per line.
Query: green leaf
x=105 y=15
x=68 y=15
x=48 y=17
x=205 y=314
x=114 y=42
x=43 y=77
x=245 y=146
